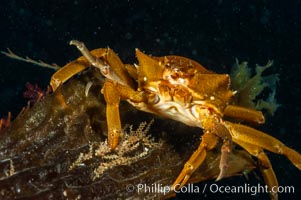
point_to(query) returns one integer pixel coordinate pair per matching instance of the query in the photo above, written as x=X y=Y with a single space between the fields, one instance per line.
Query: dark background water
x=213 y=33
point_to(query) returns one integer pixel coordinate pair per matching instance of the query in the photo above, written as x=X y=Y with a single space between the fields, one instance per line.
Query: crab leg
x=260 y=139
x=112 y=69
x=254 y=142
x=112 y=92
x=112 y=99
x=65 y=73
x=118 y=85
x=208 y=142
x=265 y=167
x=72 y=68
x=246 y=114
x=104 y=69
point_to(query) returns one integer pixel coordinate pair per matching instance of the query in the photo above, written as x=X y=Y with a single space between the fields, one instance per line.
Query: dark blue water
x=213 y=33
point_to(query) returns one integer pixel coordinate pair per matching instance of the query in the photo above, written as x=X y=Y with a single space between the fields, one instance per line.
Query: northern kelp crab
x=180 y=89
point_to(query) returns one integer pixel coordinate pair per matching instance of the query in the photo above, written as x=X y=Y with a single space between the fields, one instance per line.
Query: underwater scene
x=150 y=99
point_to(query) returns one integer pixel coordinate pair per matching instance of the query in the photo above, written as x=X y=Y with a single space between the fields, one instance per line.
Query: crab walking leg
x=265 y=167
x=246 y=114
x=66 y=72
x=208 y=142
x=112 y=99
x=260 y=139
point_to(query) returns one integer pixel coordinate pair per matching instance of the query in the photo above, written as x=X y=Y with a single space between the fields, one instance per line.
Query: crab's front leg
x=112 y=92
x=66 y=72
x=118 y=85
x=69 y=70
x=112 y=99
x=108 y=63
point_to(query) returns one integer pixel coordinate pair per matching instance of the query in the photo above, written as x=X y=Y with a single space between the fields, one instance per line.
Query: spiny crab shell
x=177 y=85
